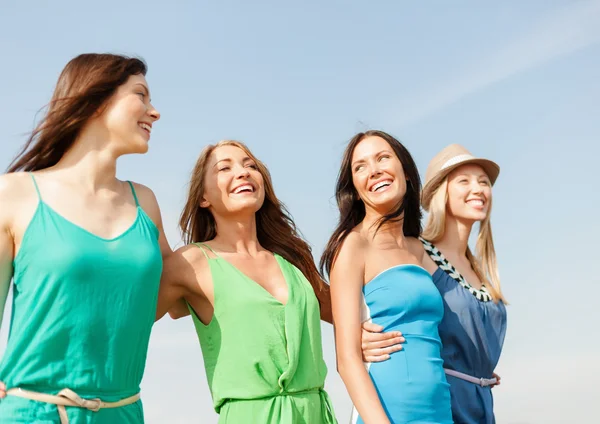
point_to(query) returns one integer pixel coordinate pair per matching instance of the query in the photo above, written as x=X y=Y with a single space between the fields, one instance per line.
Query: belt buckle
x=482 y=382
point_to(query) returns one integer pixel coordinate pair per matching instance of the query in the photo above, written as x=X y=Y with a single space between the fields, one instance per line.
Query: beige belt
x=67 y=397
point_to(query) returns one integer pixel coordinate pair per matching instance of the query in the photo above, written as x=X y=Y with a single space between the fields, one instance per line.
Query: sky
x=516 y=82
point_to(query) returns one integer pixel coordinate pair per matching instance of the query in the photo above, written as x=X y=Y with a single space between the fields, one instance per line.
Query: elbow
x=347 y=363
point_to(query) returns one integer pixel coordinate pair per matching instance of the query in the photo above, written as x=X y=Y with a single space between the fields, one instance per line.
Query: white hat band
x=456 y=159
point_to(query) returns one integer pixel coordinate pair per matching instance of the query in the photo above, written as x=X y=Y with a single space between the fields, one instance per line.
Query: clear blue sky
x=518 y=82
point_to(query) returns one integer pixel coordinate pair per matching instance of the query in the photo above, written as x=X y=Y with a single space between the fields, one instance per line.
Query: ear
x=204 y=203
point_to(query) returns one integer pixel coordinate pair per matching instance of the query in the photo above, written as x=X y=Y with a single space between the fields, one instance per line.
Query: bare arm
x=6 y=242
x=171 y=292
x=6 y=252
x=347 y=278
x=173 y=288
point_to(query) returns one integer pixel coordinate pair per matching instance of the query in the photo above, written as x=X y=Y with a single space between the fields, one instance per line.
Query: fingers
x=498 y=378
x=371 y=327
x=370 y=345
x=369 y=337
x=380 y=355
x=2 y=390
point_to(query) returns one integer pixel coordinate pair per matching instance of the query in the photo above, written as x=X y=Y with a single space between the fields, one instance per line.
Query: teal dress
x=82 y=311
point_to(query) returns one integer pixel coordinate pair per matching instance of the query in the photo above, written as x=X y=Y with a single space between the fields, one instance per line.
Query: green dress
x=264 y=360
x=83 y=307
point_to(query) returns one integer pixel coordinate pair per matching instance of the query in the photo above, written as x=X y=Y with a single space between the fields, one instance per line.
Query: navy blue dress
x=472 y=333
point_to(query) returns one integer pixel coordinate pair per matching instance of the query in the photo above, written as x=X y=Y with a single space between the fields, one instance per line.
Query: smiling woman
x=249 y=280
x=84 y=251
x=374 y=262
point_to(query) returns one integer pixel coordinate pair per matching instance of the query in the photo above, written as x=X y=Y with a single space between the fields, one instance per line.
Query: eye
x=484 y=182
x=382 y=157
x=224 y=168
x=358 y=168
x=141 y=94
x=253 y=166
x=463 y=181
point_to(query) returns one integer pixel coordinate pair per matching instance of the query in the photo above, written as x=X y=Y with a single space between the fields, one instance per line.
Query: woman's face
x=129 y=116
x=469 y=193
x=377 y=174
x=232 y=183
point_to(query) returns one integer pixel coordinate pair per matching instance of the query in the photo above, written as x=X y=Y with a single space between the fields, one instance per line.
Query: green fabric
x=82 y=312
x=263 y=360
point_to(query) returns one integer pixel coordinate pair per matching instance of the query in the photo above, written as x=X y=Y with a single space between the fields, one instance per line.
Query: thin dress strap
x=202 y=247
x=137 y=203
x=37 y=189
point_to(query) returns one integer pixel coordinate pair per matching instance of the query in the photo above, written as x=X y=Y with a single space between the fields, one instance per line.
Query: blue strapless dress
x=411 y=384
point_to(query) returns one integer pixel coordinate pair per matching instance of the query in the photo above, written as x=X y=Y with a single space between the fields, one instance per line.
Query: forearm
x=361 y=389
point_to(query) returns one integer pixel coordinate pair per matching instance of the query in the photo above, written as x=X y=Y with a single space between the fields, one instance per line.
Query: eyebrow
x=361 y=160
x=246 y=159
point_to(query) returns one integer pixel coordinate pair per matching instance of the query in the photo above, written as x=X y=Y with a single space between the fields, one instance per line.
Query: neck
x=90 y=162
x=393 y=229
x=456 y=236
x=237 y=234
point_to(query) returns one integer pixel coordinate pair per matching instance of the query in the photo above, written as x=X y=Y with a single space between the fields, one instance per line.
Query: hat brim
x=491 y=169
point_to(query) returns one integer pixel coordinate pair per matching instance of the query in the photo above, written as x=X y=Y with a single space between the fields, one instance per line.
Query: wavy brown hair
x=83 y=87
x=275 y=228
x=352 y=208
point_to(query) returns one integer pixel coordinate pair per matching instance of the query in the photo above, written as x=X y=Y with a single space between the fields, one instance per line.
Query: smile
x=476 y=203
x=145 y=127
x=380 y=186
x=245 y=188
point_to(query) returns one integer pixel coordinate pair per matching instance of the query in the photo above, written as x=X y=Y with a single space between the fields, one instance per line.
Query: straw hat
x=446 y=161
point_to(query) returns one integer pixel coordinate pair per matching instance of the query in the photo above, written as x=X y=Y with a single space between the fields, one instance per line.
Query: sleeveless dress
x=472 y=334
x=411 y=384
x=83 y=307
x=264 y=360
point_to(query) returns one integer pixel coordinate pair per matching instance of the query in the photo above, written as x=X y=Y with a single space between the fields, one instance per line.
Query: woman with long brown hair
x=253 y=291
x=84 y=250
x=374 y=262
x=458 y=194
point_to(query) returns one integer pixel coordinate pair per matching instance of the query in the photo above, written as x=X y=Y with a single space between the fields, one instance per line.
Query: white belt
x=67 y=397
x=483 y=382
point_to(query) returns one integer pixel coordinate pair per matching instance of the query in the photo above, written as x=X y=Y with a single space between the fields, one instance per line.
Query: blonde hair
x=484 y=263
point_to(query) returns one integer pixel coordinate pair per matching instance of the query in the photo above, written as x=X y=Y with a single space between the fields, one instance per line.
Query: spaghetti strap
x=137 y=203
x=37 y=189
x=202 y=247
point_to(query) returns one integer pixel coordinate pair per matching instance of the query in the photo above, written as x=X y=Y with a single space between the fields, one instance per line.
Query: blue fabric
x=472 y=334
x=412 y=385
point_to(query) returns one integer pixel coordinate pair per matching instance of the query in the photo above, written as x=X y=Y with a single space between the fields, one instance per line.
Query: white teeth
x=246 y=187
x=380 y=184
x=145 y=126
x=476 y=202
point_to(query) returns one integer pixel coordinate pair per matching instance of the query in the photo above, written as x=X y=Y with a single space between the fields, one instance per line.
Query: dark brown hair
x=275 y=228
x=83 y=87
x=352 y=208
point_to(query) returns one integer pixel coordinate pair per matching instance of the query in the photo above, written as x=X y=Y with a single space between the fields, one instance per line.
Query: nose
x=154 y=114
x=374 y=170
x=476 y=188
x=242 y=172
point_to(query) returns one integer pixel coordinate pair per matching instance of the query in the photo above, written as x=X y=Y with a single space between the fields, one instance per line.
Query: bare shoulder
x=148 y=201
x=185 y=266
x=16 y=185
x=352 y=251
x=17 y=194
